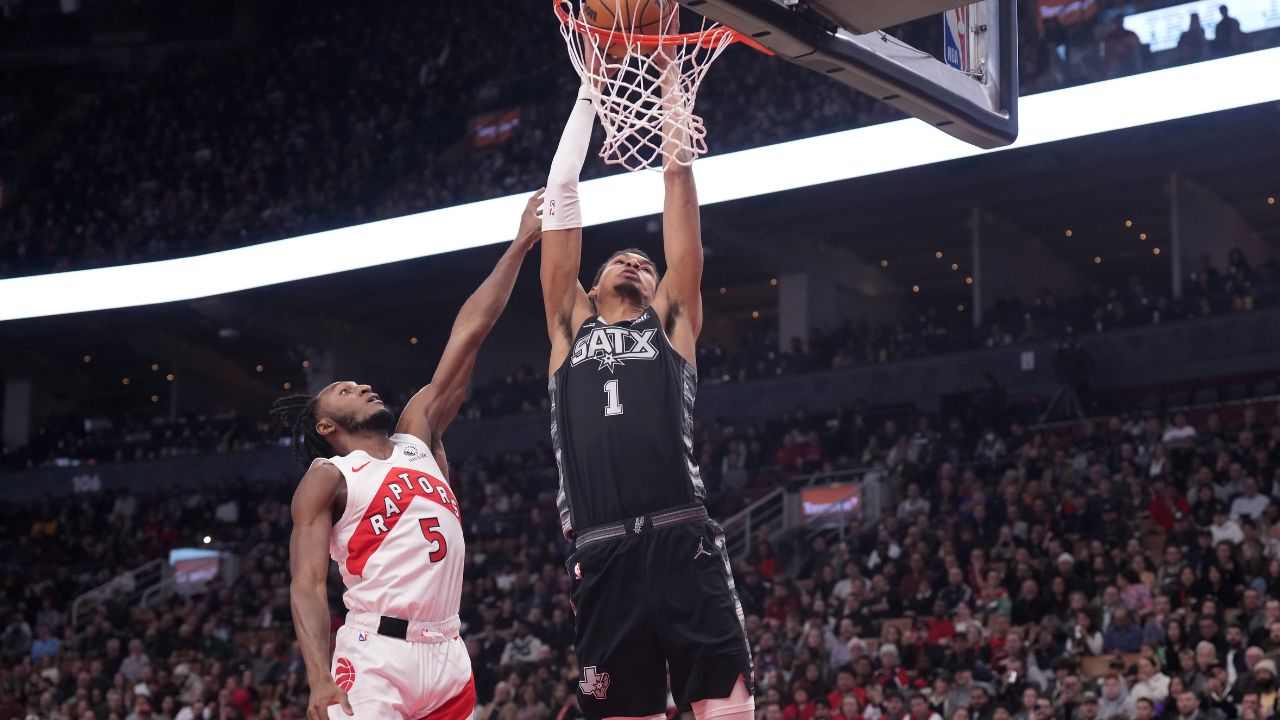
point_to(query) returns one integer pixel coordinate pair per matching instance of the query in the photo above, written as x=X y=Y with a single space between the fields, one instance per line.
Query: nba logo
x=577 y=570
x=362 y=636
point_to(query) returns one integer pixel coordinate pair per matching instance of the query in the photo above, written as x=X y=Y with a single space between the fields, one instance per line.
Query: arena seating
x=341 y=115
x=1097 y=562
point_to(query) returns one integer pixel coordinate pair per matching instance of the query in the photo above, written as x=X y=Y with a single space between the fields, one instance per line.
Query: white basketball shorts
x=385 y=677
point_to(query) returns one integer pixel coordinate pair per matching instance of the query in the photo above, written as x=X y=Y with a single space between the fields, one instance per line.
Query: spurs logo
x=594 y=683
x=639 y=525
x=611 y=346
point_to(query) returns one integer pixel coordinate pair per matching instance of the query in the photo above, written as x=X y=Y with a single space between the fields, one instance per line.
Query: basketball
x=639 y=17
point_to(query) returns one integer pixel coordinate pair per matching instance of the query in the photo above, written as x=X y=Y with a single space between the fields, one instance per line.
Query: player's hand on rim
x=599 y=65
x=322 y=697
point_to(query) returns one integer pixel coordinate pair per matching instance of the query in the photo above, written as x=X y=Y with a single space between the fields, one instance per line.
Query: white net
x=644 y=92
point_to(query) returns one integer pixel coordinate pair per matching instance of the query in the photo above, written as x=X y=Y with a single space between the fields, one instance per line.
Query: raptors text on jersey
x=399 y=542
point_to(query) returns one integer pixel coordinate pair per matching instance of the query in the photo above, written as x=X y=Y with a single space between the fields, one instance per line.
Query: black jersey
x=622 y=424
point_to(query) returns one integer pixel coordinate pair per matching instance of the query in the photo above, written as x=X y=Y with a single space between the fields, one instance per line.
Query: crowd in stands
x=69 y=440
x=1240 y=287
x=1123 y=568
x=341 y=114
x=1207 y=291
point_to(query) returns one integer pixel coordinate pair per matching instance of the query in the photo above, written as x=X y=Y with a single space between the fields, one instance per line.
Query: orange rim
x=705 y=39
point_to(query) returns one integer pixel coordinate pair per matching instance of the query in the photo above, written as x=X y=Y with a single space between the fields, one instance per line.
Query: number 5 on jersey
x=613 y=402
x=431 y=531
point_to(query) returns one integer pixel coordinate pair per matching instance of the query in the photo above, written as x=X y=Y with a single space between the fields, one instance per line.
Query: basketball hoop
x=643 y=86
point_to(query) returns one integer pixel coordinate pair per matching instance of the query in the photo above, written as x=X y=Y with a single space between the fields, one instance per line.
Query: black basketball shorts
x=652 y=605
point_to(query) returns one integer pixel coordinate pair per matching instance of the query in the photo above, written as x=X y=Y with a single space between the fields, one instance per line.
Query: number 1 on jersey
x=613 y=405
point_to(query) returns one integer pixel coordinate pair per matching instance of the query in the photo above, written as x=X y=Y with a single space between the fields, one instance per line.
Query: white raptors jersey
x=399 y=540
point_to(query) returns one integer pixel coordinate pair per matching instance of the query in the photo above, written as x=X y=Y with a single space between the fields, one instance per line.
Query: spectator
x=501 y=707
x=46 y=645
x=1227 y=38
x=565 y=702
x=1264 y=676
x=850 y=708
x=15 y=642
x=914 y=504
x=1180 y=434
x=1122 y=50
x=920 y=709
x=1115 y=698
x=1084 y=640
x=1250 y=504
x=1192 y=46
x=980 y=707
x=802 y=706
x=137 y=661
x=1152 y=684
x=523 y=648
x=961 y=691
x=1225 y=529
x=1088 y=707
x=532 y=707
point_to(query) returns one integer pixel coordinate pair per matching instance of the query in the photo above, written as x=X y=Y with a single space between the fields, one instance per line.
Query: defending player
x=651 y=582
x=383 y=509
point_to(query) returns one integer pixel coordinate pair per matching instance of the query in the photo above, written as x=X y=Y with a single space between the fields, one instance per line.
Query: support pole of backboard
x=975 y=298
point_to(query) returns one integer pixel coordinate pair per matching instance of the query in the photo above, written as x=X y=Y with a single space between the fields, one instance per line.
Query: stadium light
x=1144 y=99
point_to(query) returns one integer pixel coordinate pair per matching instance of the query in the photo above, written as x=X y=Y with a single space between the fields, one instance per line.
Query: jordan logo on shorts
x=701 y=551
x=594 y=683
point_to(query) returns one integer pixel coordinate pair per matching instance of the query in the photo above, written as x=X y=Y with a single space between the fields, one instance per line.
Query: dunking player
x=383 y=508
x=651 y=582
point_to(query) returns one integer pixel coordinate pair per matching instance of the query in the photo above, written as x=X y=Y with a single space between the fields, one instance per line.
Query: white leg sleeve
x=560 y=204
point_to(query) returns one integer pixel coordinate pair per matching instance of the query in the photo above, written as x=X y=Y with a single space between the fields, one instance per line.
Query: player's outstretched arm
x=566 y=304
x=679 y=297
x=435 y=406
x=678 y=301
x=320 y=490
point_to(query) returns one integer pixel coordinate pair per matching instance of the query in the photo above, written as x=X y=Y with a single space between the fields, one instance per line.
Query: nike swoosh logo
x=358 y=468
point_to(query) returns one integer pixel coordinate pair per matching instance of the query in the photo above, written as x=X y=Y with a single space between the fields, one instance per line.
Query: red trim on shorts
x=458 y=707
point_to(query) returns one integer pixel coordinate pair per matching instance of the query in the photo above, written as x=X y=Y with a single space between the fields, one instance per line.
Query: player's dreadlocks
x=298 y=413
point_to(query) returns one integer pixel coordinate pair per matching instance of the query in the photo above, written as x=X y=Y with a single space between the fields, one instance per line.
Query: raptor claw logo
x=344 y=675
x=594 y=683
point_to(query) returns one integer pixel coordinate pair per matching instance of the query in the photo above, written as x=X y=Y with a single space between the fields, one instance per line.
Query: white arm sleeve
x=560 y=208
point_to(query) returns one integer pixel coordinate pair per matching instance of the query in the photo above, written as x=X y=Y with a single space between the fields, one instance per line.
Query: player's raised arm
x=313 y=503
x=565 y=301
x=435 y=406
x=679 y=298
